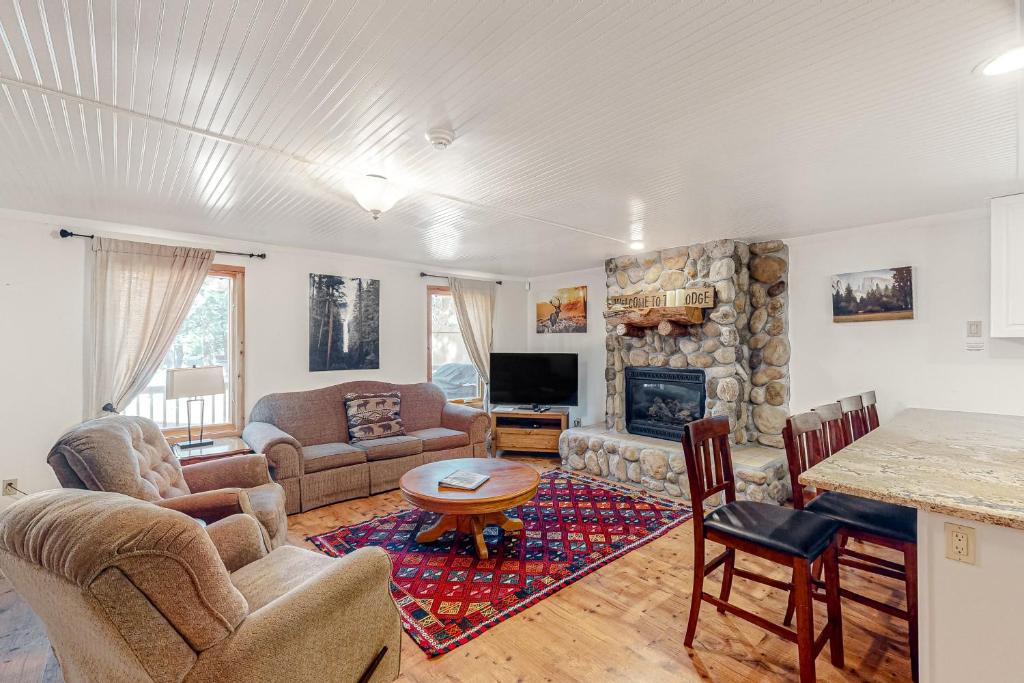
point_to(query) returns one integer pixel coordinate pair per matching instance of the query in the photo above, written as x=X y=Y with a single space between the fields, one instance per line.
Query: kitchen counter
x=965 y=469
x=966 y=465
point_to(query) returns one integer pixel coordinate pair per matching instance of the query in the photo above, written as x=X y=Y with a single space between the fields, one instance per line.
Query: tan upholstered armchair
x=130 y=455
x=129 y=591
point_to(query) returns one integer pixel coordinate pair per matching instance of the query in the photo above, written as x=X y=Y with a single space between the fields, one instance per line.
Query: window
x=210 y=335
x=449 y=366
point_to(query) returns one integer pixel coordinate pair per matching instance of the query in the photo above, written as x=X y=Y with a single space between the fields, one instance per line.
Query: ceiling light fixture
x=636 y=245
x=440 y=138
x=1011 y=60
x=375 y=193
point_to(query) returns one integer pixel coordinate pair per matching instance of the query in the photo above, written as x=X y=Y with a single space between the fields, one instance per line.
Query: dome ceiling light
x=375 y=193
x=1011 y=60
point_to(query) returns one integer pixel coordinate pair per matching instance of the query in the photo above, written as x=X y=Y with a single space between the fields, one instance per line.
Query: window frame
x=237 y=378
x=442 y=290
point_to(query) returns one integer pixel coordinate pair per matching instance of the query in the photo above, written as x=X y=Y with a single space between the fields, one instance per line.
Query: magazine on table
x=464 y=479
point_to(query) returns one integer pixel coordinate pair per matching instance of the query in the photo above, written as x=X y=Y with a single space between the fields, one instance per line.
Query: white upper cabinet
x=1008 y=266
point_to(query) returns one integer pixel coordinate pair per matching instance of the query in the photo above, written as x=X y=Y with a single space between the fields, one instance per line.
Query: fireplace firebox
x=661 y=401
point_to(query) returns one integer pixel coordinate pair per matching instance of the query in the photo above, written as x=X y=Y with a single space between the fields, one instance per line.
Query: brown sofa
x=130 y=455
x=304 y=435
x=129 y=591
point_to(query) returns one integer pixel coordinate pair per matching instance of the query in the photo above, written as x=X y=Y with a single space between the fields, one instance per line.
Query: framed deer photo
x=564 y=311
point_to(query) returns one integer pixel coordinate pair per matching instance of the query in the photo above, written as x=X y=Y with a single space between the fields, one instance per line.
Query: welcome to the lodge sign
x=696 y=297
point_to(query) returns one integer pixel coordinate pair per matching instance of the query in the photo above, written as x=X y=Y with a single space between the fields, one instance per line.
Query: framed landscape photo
x=564 y=311
x=344 y=323
x=886 y=294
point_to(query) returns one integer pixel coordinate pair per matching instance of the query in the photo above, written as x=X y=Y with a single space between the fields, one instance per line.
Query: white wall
x=920 y=362
x=41 y=348
x=43 y=310
x=589 y=345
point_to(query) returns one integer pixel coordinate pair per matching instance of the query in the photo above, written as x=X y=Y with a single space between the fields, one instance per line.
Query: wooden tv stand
x=513 y=429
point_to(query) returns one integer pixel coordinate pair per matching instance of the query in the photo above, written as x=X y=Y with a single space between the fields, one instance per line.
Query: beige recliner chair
x=130 y=591
x=130 y=455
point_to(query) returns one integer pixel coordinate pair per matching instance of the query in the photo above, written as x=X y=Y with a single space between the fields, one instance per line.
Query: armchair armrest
x=465 y=419
x=238 y=540
x=338 y=622
x=242 y=471
x=283 y=450
x=208 y=506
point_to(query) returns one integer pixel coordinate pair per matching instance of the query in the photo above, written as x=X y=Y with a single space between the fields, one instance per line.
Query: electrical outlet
x=960 y=543
x=10 y=487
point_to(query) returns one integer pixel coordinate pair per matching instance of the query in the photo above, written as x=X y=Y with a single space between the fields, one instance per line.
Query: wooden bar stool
x=792 y=538
x=836 y=432
x=870 y=521
x=870 y=409
x=853 y=416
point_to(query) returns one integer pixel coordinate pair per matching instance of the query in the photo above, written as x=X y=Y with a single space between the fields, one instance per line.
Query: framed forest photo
x=886 y=294
x=344 y=323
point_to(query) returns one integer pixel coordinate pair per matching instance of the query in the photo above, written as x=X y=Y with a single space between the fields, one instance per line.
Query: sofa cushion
x=327 y=456
x=440 y=438
x=421 y=406
x=373 y=416
x=311 y=417
x=390 y=447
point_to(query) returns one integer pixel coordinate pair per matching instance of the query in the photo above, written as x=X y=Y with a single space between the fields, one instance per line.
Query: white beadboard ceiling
x=574 y=120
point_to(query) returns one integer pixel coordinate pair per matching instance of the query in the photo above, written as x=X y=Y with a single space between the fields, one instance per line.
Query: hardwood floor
x=623 y=622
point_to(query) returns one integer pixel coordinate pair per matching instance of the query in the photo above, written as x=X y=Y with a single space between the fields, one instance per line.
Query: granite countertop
x=968 y=465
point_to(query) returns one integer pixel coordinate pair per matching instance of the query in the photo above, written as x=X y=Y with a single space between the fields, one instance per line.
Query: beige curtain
x=141 y=294
x=474 y=306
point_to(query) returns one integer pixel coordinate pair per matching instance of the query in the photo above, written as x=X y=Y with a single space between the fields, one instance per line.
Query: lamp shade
x=189 y=382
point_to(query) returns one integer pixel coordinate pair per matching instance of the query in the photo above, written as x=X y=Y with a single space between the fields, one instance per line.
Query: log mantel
x=652 y=317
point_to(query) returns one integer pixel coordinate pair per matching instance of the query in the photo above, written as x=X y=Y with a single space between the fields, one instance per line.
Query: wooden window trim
x=233 y=428
x=444 y=290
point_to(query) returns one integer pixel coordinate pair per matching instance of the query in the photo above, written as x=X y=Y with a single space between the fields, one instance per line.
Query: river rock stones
x=767 y=269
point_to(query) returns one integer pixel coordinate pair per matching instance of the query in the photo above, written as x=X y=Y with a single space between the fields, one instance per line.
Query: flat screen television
x=546 y=379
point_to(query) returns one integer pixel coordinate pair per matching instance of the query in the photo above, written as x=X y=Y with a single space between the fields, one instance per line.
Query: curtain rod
x=445 y=277
x=64 y=233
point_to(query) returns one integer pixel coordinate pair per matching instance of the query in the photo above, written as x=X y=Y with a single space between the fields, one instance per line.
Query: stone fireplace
x=741 y=345
x=660 y=401
x=737 y=352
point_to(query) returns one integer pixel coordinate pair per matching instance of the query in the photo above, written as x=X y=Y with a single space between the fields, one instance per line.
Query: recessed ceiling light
x=1011 y=60
x=636 y=245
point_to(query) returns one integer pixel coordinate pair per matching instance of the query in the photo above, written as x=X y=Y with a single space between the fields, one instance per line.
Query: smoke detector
x=440 y=138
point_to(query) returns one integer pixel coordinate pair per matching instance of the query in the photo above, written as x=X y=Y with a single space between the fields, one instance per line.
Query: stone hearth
x=660 y=467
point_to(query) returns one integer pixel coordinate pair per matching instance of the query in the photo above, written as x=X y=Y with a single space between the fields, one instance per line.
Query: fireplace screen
x=661 y=401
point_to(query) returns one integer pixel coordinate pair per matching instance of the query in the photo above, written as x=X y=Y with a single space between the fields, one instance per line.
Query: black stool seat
x=793 y=532
x=870 y=516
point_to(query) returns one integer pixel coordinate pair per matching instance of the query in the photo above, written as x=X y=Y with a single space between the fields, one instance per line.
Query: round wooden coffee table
x=511 y=484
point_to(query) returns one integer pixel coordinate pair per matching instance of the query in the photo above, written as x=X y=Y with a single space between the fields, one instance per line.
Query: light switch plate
x=975 y=338
x=961 y=543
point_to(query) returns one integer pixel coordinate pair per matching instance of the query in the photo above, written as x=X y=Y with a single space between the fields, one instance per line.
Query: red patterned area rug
x=447 y=596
